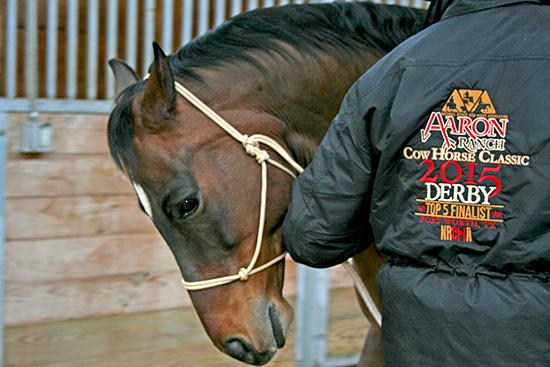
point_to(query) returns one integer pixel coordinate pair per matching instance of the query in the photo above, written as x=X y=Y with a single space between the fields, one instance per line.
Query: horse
x=279 y=73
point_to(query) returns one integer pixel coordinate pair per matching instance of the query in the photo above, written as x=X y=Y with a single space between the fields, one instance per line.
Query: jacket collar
x=443 y=9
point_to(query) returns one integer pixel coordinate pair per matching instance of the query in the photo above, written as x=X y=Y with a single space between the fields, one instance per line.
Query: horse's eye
x=185 y=208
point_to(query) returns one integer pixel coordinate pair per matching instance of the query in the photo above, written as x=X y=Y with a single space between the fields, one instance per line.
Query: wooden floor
x=160 y=339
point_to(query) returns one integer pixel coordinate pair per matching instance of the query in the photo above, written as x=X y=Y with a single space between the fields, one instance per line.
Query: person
x=441 y=152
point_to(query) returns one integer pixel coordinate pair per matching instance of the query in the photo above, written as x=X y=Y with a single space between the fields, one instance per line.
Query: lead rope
x=251 y=144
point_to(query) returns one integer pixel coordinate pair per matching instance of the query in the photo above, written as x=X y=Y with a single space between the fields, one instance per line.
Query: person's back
x=469 y=283
x=457 y=132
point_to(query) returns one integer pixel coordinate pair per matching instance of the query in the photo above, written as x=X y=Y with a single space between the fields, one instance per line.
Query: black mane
x=310 y=28
x=338 y=29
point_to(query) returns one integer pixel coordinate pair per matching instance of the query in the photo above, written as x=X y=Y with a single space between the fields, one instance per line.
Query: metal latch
x=36 y=137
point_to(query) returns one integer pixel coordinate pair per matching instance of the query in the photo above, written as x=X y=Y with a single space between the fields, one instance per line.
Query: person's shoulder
x=388 y=66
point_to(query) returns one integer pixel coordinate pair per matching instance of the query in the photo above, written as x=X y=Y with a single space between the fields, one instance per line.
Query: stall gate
x=58 y=49
x=54 y=57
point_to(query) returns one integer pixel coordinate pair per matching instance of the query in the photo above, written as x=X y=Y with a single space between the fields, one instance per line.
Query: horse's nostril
x=236 y=349
x=243 y=351
x=277 y=328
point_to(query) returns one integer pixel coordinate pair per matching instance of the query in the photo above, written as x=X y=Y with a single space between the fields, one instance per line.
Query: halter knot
x=252 y=148
x=243 y=274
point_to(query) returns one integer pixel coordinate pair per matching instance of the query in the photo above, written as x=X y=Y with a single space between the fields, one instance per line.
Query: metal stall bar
x=92 y=36
x=148 y=35
x=35 y=137
x=204 y=16
x=236 y=7
x=187 y=22
x=167 y=26
x=111 y=40
x=130 y=52
x=219 y=13
x=51 y=48
x=11 y=49
x=252 y=4
x=31 y=48
x=311 y=317
x=72 y=48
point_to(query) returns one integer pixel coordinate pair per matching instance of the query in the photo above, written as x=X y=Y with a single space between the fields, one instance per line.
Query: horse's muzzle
x=240 y=348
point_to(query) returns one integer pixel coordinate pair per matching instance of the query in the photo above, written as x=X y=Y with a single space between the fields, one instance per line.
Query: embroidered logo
x=469 y=101
x=461 y=175
x=470 y=116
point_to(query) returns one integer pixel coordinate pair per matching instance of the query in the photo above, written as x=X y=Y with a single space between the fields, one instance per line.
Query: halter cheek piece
x=252 y=146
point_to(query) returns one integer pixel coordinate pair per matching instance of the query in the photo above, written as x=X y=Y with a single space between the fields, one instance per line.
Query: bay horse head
x=198 y=186
x=280 y=72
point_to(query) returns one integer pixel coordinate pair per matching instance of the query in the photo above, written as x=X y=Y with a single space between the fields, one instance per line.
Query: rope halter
x=252 y=146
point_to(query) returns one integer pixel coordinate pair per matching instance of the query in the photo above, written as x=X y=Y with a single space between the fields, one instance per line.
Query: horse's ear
x=159 y=96
x=124 y=74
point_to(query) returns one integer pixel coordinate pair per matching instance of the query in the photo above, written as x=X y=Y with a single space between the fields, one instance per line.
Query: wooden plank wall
x=77 y=244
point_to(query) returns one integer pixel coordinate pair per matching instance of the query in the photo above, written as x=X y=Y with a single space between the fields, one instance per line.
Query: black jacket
x=442 y=149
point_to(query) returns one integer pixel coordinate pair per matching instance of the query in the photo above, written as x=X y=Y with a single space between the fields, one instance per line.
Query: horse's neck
x=304 y=95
